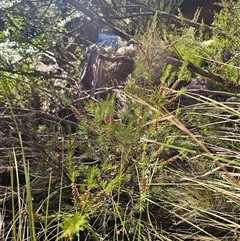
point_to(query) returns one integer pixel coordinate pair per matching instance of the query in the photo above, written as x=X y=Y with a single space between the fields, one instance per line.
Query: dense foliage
x=97 y=145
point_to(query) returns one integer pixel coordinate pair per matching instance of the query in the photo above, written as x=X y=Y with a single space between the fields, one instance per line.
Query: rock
x=126 y=50
x=196 y=86
x=207 y=9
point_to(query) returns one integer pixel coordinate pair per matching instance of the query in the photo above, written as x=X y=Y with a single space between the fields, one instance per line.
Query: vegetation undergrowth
x=157 y=160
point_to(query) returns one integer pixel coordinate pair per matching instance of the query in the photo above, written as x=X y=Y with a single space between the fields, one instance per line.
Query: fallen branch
x=200 y=71
x=95 y=17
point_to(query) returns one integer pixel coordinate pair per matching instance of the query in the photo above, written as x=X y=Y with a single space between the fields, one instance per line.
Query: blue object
x=108 y=40
x=227 y=55
x=60 y=3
